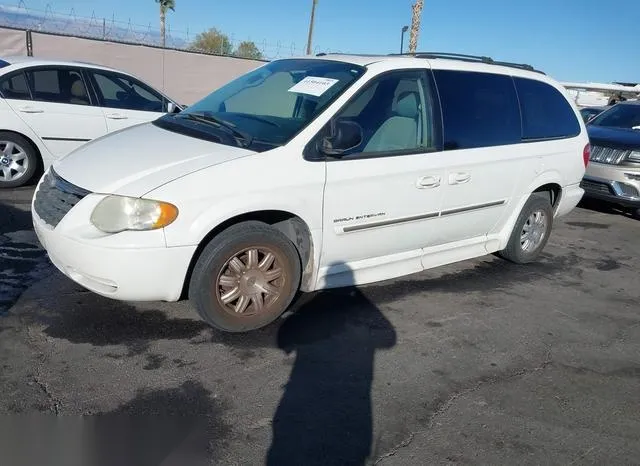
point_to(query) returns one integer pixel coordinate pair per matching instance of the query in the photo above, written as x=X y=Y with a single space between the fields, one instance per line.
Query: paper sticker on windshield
x=313 y=86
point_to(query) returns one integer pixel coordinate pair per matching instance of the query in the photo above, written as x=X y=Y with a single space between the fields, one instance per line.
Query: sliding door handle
x=428 y=182
x=459 y=178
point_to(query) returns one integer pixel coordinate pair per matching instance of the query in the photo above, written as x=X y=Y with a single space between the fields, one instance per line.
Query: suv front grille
x=56 y=197
x=608 y=155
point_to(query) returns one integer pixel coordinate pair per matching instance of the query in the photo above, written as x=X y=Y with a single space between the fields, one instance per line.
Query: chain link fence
x=50 y=20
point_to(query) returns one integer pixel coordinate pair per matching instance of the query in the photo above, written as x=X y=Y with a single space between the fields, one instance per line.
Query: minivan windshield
x=619 y=116
x=271 y=104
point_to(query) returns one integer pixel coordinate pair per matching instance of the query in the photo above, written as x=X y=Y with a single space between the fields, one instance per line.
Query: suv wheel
x=245 y=278
x=531 y=231
x=18 y=160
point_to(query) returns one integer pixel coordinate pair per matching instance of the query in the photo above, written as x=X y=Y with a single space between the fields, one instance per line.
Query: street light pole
x=404 y=30
x=313 y=17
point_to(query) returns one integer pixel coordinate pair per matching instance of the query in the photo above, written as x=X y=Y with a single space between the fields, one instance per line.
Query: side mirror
x=345 y=135
x=172 y=108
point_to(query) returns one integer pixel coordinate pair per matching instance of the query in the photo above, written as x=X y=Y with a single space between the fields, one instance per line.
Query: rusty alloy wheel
x=245 y=277
x=251 y=281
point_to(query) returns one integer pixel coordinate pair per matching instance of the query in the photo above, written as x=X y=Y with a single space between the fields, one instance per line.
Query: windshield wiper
x=220 y=123
x=257 y=118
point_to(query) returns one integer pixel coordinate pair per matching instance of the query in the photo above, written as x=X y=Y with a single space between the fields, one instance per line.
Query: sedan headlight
x=114 y=214
x=634 y=156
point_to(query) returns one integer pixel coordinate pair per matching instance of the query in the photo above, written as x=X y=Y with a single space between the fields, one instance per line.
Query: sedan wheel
x=18 y=160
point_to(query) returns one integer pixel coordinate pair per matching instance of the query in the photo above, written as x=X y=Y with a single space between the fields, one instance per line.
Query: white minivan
x=317 y=172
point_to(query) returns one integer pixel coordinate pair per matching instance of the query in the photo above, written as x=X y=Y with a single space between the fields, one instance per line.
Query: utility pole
x=313 y=17
x=415 y=25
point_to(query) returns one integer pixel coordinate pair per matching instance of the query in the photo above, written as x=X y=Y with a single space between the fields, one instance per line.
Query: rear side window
x=546 y=114
x=478 y=109
x=15 y=87
x=63 y=86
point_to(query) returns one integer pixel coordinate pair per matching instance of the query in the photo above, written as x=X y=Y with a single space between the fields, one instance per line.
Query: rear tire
x=531 y=231
x=245 y=278
x=18 y=160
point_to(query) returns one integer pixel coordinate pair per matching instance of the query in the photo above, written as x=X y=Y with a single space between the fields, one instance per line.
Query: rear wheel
x=531 y=231
x=18 y=160
x=245 y=278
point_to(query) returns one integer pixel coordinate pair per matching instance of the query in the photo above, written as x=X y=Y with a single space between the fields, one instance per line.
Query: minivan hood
x=620 y=138
x=138 y=159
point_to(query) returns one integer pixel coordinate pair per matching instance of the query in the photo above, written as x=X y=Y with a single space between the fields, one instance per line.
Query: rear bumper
x=569 y=199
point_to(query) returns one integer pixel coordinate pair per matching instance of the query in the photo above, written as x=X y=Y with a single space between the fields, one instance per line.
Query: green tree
x=212 y=41
x=165 y=5
x=248 y=49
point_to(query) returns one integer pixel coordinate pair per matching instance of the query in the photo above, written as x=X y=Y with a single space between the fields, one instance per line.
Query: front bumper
x=123 y=272
x=618 y=184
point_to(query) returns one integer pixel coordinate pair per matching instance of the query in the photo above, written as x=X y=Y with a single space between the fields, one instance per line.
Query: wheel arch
x=290 y=224
x=549 y=185
x=552 y=191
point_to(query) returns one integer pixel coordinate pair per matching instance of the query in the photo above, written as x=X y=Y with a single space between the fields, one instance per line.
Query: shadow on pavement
x=12 y=219
x=180 y=425
x=597 y=205
x=325 y=416
x=20 y=254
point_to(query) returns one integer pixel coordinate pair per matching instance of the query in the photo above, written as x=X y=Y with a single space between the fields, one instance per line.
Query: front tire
x=245 y=278
x=531 y=231
x=18 y=160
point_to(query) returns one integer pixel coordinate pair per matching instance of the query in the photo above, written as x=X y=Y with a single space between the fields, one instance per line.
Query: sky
x=571 y=40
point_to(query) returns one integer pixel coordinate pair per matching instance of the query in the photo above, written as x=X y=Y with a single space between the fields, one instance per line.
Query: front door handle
x=117 y=116
x=29 y=109
x=459 y=178
x=428 y=182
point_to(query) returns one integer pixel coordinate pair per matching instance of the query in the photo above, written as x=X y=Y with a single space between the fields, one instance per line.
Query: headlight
x=634 y=156
x=118 y=213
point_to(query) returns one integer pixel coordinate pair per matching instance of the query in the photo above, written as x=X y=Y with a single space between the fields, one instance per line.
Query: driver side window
x=125 y=93
x=395 y=114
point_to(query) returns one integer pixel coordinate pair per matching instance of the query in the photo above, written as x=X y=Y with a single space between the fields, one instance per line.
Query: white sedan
x=49 y=108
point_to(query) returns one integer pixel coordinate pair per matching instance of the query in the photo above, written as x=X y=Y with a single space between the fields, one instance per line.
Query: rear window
x=4 y=63
x=478 y=109
x=546 y=114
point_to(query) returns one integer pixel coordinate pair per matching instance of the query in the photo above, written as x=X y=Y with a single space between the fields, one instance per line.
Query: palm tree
x=415 y=25
x=165 y=5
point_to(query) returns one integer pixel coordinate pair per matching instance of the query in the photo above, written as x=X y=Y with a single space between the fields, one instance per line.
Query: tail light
x=586 y=154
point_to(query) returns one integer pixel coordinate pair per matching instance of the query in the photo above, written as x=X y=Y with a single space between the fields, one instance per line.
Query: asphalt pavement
x=481 y=362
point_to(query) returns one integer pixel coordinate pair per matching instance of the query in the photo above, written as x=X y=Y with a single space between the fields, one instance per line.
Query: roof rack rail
x=469 y=58
x=322 y=54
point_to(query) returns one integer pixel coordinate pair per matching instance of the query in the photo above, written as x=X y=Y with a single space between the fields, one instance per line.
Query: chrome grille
x=608 y=155
x=56 y=197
